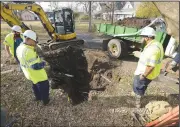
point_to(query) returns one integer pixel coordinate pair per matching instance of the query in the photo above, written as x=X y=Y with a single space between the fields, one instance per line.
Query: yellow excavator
x=62 y=30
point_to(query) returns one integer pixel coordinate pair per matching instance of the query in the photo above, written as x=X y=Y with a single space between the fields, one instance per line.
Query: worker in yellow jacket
x=12 y=41
x=149 y=64
x=33 y=67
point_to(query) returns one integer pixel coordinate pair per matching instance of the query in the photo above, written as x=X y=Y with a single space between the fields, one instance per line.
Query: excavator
x=63 y=52
x=63 y=28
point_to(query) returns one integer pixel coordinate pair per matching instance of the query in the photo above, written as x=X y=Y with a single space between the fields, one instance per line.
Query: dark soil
x=109 y=102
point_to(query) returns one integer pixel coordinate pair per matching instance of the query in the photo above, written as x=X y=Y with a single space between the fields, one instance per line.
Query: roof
x=132 y=3
x=118 y=5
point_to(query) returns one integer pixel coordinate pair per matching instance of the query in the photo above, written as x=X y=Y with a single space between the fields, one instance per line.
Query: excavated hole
x=77 y=72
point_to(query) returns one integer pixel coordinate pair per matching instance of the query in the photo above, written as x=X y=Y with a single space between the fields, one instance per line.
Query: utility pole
x=112 y=18
x=90 y=18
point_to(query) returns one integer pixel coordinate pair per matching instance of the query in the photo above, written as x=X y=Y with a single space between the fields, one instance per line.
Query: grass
x=38 y=28
x=80 y=26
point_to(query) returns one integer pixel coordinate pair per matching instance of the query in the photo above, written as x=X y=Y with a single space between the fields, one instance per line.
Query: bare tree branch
x=85 y=6
x=54 y=5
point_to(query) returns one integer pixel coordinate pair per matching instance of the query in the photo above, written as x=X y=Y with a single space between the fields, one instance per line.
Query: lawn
x=38 y=28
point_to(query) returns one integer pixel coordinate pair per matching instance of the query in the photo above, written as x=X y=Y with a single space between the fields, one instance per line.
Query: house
x=121 y=10
x=127 y=11
x=28 y=16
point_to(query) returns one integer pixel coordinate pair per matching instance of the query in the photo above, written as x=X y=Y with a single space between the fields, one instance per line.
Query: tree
x=76 y=7
x=94 y=5
x=90 y=17
x=108 y=8
x=85 y=6
x=147 y=10
x=76 y=15
x=70 y=5
x=112 y=16
x=54 y=5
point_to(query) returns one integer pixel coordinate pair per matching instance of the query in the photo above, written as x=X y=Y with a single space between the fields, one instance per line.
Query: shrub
x=85 y=17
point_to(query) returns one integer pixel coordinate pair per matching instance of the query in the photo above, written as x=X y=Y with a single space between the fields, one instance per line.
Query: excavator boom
x=9 y=17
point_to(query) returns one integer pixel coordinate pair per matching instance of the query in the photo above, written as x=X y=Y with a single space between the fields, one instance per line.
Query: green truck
x=124 y=40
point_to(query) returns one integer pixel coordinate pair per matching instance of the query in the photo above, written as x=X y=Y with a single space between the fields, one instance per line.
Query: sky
x=45 y=5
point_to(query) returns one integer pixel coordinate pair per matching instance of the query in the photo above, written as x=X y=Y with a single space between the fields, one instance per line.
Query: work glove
x=137 y=54
x=43 y=63
x=46 y=63
x=38 y=66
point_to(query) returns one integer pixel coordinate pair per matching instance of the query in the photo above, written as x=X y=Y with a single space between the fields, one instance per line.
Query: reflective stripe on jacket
x=28 y=57
x=152 y=55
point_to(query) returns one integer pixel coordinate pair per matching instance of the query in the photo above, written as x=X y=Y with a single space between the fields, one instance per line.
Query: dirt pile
x=98 y=66
x=134 y=22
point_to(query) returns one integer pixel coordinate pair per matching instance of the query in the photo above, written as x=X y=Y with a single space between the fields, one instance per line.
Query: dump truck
x=124 y=40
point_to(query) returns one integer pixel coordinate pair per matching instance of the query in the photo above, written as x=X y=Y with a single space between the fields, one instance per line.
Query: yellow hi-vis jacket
x=9 y=41
x=152 y=55
x=27 y=57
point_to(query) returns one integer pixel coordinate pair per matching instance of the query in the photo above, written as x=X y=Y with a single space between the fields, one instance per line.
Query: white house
x=128 y=10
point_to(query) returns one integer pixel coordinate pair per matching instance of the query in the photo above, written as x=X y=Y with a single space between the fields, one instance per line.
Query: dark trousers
x=140 y=86
x=41 y=91
x=18 y=62
x=16 y=59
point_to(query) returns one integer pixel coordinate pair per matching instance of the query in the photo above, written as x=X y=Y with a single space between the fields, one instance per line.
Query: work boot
x=35 y=99
x=138 y=101
x=46 y=102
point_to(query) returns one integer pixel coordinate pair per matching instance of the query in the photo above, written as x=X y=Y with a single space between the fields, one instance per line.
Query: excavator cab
x=64 y=21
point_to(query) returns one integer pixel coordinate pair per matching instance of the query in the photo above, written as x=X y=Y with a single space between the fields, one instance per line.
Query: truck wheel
x=116 y=48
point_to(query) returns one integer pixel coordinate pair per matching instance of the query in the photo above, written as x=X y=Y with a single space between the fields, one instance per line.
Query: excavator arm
x=9 y=17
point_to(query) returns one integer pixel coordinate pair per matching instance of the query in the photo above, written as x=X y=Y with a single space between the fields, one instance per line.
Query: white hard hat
x=17 y=28
x=30 y=34
x=148 y=31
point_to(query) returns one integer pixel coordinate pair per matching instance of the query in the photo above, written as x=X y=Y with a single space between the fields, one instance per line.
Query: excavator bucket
x=68 y=68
